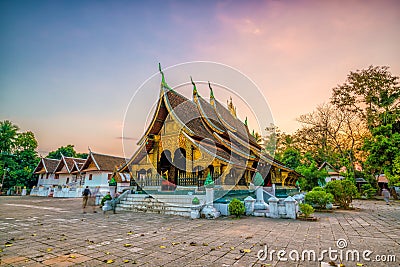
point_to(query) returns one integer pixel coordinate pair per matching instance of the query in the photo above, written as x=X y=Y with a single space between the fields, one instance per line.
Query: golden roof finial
x=231 y=108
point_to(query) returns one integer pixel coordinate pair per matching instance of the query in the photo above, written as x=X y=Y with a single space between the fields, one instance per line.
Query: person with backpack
x=85 y=194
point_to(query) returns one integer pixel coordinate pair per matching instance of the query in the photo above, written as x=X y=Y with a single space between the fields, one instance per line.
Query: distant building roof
x=329 y=168
x=102 y=162
x=382 y=179
x=69 y=163
x=46 y=165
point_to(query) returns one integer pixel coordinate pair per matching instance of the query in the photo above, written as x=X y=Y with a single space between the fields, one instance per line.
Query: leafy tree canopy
x=374 y=93
x=8 y=135
x=67 y=151
x=18 y=156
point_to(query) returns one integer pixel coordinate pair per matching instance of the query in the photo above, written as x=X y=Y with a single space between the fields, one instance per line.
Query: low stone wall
x=41 y=192
x=68 y=192
x=65 y=192
x=165 y=204
x=182 y=205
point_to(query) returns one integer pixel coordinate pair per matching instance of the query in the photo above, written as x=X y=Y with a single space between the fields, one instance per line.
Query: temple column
x=189 y=157
x=284 y=176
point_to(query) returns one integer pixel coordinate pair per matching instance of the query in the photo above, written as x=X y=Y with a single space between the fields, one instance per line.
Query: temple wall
x=46 y=182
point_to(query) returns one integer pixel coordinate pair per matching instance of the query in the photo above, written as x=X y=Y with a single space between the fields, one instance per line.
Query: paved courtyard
x=38 y=231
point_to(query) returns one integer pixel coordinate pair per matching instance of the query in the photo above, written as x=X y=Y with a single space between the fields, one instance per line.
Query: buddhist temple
x=189 y=139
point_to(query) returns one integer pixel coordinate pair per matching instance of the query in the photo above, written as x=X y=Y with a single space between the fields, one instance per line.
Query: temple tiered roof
x=210 y=126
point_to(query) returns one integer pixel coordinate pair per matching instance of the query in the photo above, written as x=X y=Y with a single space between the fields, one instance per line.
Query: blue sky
x=69 y=68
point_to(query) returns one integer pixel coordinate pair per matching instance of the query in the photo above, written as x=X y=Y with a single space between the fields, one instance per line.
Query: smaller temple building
x=65 y=173
x=46 y=172
x=68 y=176
x=97 y=170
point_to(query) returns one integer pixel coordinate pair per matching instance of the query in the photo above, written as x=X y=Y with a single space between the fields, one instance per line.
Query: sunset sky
x=68 y=69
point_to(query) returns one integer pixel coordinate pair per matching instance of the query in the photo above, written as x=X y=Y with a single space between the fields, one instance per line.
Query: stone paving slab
x=37 y=231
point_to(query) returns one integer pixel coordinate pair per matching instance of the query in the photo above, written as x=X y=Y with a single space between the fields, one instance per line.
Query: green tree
x=368 y=191
x=333 y=135
x=26 y=158
x=284 y=141
x=291 y=158
x=394 y=178
x=374 y=93
x=384 y=152
x=67 y=151
x=8 y=135
x=26 y=141
x=312 y=177
x=82 y=155
x=343 y=191
x=18 y=156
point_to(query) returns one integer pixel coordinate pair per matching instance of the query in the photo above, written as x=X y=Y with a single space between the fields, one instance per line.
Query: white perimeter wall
x=99 y=178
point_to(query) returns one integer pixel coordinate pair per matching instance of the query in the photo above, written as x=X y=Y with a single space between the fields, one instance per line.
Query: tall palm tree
x=8 y=135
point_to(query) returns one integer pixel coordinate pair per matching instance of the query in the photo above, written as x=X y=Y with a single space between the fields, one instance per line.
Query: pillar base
x=195 y=213
x=210 y=212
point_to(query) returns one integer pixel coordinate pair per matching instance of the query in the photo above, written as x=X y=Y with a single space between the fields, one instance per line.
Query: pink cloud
x=297 y=51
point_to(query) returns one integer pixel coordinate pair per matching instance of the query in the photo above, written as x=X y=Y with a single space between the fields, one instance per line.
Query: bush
x=318 y=188
x=318 y=198
x=306 y=209
x=343 y=191
x=236 y=207
x=368 y=191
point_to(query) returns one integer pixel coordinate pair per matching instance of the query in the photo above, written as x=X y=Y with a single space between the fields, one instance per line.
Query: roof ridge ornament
x=211 y=91
x=212 y=98
x=194 y=87
x=163 y=82
x=231 y=107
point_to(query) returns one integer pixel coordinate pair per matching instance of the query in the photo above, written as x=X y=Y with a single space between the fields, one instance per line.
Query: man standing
x=386 y=195
x=86 y=193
